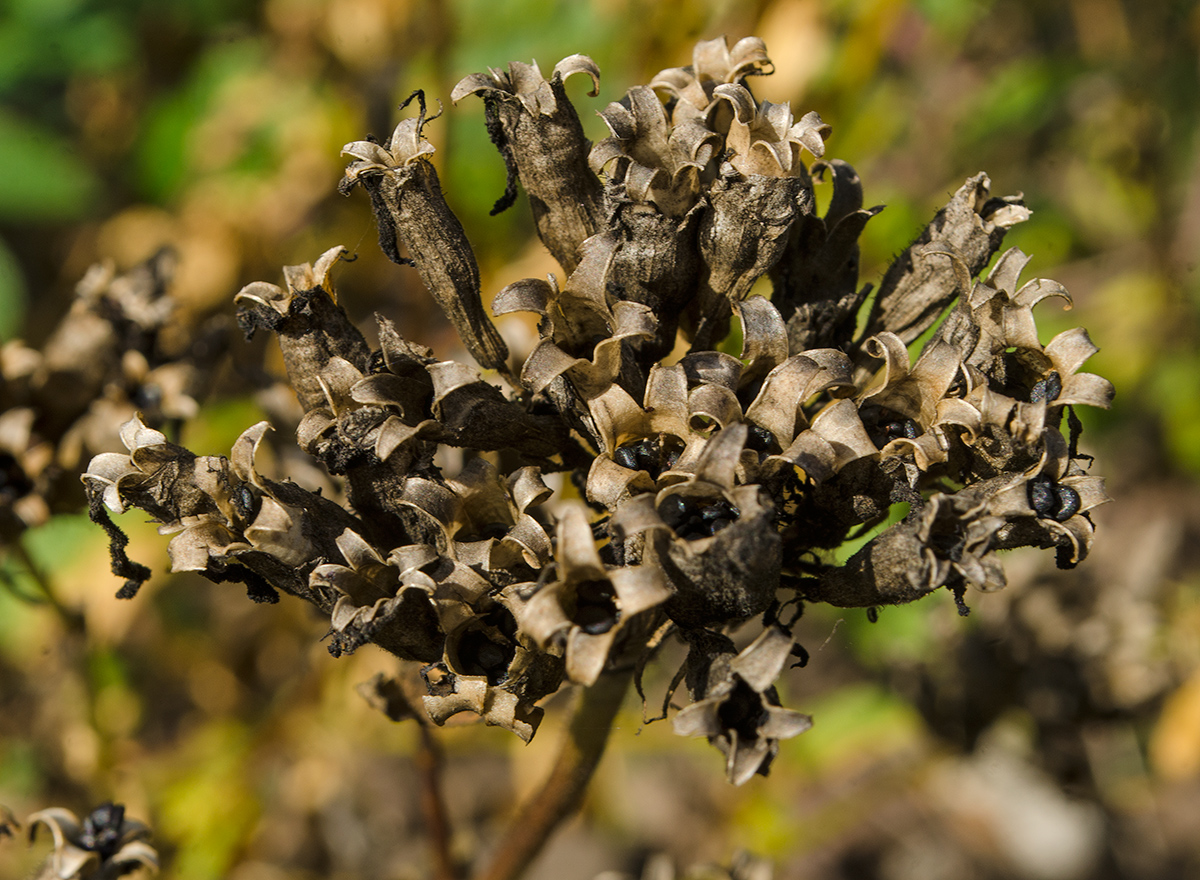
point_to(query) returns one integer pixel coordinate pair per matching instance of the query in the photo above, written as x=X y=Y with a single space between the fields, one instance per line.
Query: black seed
x=904 y=428
x=760 y=439
x=1068 y=503
x=596 y=610
x=645 y=453
x=1042 y=497
x=1046 y=389
x=719 y=523
x=673 y=510
x=101 y=832
x=626 y=458
x=671 y=458
x=873 y=614
x=245 y=502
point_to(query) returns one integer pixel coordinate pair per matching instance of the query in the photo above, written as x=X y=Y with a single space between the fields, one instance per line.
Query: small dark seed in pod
x=1042 y=497
x=1069 y=503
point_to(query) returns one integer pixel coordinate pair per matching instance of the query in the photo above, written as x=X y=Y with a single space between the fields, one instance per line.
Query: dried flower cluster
x=104 y=846
x=111 y=356
x=630 y=478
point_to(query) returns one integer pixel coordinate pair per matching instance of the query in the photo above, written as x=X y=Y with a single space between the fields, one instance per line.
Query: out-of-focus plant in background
x=1054 y=734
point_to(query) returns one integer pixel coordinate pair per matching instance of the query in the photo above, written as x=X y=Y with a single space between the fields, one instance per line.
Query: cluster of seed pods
x=679 y=448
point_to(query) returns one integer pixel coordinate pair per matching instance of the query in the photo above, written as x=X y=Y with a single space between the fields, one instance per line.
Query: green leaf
x=44 y=179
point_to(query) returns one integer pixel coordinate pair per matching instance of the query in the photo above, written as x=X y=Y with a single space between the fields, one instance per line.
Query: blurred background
x=1054 y=734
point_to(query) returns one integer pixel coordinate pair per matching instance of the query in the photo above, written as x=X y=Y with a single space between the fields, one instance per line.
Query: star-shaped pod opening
x=656 y=162
x=1048 y=505
x=581 y=331
x=538 y=133
x=714 y=63
x=911 y=411
x=583 y=610
x=526 y=84
x=764 y=139
x=372 y=595
x=104 y=844
x=713 y=539
x=484 y=520
x=311 y=327
x=737 y=707
x=490 y=668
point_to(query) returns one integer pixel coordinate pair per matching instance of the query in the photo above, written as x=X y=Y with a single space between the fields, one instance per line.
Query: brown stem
x=562 y=792
x=433 y=807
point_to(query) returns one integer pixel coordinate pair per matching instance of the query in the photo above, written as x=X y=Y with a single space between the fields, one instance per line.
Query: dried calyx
x=710 y=483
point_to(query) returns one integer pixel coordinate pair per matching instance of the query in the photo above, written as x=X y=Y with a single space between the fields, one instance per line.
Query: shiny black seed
x=626 y=458
x=718 y=524
x=245 y=502
x=101 y=832
x=673 y=510
x=760 y=439
x=1068 y=503
x=1042 y=497
x=903 y=428
x=646 y=454
x=1046 y=389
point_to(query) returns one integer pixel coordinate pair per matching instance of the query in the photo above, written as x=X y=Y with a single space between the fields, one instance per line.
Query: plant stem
x=562 y=792
x=433 y=806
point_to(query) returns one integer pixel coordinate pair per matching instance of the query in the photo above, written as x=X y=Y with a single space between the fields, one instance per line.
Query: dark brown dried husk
x=734 y=578
x=919 y=286
x=423 y=222
x=816 y=279
x=551 y=156
x=742 y=235
x=656 y=263
x=314 y=331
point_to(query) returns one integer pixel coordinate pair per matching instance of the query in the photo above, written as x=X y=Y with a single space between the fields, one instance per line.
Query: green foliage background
x=216 y=126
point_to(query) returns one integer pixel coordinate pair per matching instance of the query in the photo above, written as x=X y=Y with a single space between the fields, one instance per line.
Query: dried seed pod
x=916 y=289
x=537 y=130
x=816 y=278
x=737 y=706
x=410 y=209
x=312 y=328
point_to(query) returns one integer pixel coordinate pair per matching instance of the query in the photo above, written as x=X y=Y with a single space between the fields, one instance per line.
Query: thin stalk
x=561 y=793
x=433 y=805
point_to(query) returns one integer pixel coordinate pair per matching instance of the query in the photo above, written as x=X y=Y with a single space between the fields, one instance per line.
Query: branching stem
x=560 y=795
